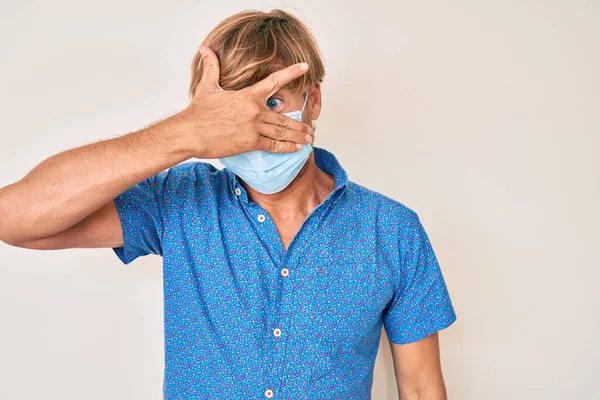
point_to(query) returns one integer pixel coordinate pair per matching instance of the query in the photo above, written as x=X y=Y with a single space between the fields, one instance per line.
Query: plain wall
x=483 y=117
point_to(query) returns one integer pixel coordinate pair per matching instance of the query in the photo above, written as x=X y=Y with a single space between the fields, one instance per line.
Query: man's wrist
x=178 y=136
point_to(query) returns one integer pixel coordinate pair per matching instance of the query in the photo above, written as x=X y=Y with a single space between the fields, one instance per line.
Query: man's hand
x=221 y=123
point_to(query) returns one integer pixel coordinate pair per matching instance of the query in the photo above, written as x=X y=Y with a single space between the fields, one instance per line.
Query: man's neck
x=309 y=189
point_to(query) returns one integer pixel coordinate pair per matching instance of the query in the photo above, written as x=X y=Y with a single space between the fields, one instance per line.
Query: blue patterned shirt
x=246 y=319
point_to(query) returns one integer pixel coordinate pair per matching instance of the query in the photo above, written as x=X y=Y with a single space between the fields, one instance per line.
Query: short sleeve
x=421 y=303
x=141 y=221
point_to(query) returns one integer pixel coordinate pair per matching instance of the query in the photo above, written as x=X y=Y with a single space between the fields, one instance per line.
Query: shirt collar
x=324 y=159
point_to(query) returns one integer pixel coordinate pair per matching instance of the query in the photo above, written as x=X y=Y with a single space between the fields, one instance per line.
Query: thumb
x=212 y=68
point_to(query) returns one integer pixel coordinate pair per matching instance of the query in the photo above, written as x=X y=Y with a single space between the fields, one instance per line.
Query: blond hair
x=252 y=44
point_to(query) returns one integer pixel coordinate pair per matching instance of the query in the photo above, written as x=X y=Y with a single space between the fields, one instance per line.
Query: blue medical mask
x=270 y=172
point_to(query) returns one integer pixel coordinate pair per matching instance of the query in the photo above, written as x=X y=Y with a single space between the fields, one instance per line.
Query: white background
x=482 y=116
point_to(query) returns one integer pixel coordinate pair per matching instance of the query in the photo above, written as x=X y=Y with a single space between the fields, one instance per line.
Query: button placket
x=281 y=315
x=281 y=322
x=279 y=344
x=285 y=320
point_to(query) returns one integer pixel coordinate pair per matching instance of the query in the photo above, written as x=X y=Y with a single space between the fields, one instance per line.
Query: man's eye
x=273 y=103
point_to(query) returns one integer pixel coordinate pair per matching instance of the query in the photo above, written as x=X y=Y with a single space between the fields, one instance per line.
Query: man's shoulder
x=192 y=166
x=390 y=216
x=380 y=203
x=188 y=175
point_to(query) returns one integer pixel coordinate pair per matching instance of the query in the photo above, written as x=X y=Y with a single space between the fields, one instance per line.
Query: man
x=279 y=271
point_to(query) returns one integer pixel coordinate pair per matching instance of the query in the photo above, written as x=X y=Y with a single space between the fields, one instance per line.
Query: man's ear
x=314 y=101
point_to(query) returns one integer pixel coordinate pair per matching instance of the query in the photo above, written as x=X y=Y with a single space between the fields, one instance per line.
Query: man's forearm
x=434 y=393
x=65 y=188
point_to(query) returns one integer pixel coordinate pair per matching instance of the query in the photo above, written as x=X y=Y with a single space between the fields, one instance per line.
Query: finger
x=212 y=68
x=279 y=132
x=272 y=83
x=275 y=118
x=277 y=146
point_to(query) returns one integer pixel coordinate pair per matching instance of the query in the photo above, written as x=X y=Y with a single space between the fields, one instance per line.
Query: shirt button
x=277 y=332
x=238 y=191
x=269 y=393
x=285 y=272
x=261 y=218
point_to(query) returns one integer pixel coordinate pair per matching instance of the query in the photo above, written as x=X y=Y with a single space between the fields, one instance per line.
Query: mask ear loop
x=305 y=100
x=304 y=105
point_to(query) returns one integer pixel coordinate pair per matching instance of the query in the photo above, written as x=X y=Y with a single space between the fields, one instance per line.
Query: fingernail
x=308 y=138
x=202 y=51
x=303 y=66
x=298 y=146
